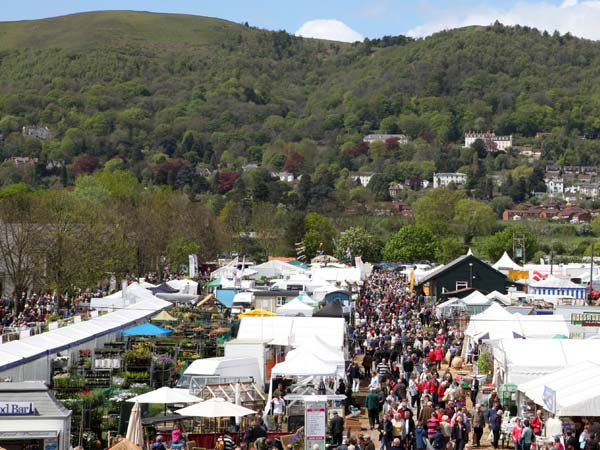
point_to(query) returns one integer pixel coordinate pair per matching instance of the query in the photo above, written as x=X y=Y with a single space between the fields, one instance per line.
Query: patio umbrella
x=147 y=329
x=167 y=396
x=135 y=433
x=164 y=316
x=125 y=444
x=215 y=407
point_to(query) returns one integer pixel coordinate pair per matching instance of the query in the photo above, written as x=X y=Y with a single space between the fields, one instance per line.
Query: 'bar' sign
x=17 y=409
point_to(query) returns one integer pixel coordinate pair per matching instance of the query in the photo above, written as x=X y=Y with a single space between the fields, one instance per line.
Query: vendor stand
x=31 y=418
x=571 y=395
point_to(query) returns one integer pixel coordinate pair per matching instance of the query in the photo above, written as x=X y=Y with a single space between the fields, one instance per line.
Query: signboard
x=549 y=397
x=193 y=265
x=314 y=425
x=17 y=409
x=586 y=319
x=518 y=274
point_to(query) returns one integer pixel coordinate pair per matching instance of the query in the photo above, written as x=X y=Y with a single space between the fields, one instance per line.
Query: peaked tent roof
x=164 y=316
x=295 y=307
x=332 y=309
x=306 y=299
x=506 y=263
x=476 y=298
x=495 y=295
x=147 y=329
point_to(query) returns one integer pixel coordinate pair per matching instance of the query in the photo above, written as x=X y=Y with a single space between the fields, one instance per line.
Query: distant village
x=565 y=185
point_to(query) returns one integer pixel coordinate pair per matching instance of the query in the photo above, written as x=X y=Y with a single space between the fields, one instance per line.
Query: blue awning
x=147 y=329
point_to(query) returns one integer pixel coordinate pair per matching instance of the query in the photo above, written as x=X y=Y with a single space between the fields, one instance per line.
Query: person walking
x=354 y=375
x=537 y=423
x=386 y=433
x=420 y=436
x=336 y=428
x=459 y=433
x=474 y=390
x=527 y=436
x=372 y=403
x=495 y=425
x=278 y=411
x=516 y=433
x=478 y=422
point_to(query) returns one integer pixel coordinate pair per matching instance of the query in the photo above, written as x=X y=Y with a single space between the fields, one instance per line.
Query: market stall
x=574 y=390
x=519 y=360
x=32 y=418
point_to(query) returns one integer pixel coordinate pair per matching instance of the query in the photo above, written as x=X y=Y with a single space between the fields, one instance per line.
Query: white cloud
x=580 y=18
x=329 y=29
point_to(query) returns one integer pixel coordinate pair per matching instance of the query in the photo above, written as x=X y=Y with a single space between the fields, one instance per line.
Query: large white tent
x=309 y=365
x=499 y=297
x=275 y=268
x=576 y=387
x=295 y=307
x=321 y=349
x=283 y=330
x=505 y=264
x=473 y=303
x=132 y=294
x=497 y=323
x=519 y=360
x=30 y=358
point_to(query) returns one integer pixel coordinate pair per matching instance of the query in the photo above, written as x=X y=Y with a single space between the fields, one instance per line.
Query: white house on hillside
x=441 y=180
x=555 y=186
x=362 y=177
x=492 y=142
x=402 y=139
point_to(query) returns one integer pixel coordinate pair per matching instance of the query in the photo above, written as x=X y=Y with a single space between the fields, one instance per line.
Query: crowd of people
x=414 y=400
x=37 y=308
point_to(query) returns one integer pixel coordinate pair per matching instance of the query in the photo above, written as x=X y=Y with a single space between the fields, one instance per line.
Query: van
x=218 y=371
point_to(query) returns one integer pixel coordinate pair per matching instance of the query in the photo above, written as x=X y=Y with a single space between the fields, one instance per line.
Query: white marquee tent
x=295 y=307
x=283 y=330
x=30 y=358
x=499 y=297
x=519 y=360
x=275 y=268
x=506 y=264
x=497 y=323
x=576 y=387
x=320 y=349
x=473 y=303
x=308 y=365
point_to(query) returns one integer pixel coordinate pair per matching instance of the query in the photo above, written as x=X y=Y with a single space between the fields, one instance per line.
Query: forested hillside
x=212 y=108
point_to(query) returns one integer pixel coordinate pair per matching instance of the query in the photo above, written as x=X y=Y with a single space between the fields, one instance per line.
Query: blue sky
x=350 y=19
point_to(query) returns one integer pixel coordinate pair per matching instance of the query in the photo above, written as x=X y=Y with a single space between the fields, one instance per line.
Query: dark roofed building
x=466 y=271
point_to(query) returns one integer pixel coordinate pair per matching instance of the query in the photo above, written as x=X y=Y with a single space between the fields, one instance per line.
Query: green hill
x=187 y=91
x=117 y=29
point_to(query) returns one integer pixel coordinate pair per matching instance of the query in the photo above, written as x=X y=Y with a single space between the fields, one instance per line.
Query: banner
x=549 y=397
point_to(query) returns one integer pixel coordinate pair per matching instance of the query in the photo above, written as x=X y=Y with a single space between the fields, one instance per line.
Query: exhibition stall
x=519 y=360
x=30 y=417
x=31 y=358
x=569 y=392
x=281 y=330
